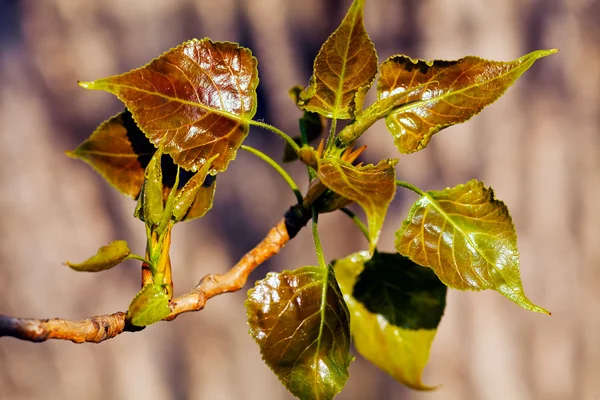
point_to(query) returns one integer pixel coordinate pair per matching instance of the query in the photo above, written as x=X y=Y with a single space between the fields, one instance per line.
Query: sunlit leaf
x=107 y=257
x=457 y=90
x=186 y=197
x=149 y=306
x=204 y=199
x=344 y=69
x=151 y=199
x=395 y=307
x=195 y=99
x=301 y=324
x=119 y=151
x=467 y=237
x=373 y=187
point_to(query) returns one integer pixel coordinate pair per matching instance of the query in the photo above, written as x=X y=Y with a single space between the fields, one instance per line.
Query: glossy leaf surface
x=395 y=307
x=454 y=92
x=344 y=69
x=373 y=187
x=467 y=237
x=149 y=306
x=301 y=324
x=195 y=99
x=119 y=151
x=107 y=257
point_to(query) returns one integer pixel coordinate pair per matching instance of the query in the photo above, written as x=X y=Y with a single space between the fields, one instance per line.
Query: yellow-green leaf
x=467 y=237
x=119 y=151
x=107 y=257
x=195 y=99
x=301 y=324
x=451 y=92
x=151 y=200
x=189 y=193
x=395 y=307
x=372 y=186
x=344 y=69
x=149 y=306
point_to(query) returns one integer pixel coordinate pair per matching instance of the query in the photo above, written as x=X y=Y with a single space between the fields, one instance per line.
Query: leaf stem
x=277 y=168
x=410 y=187
x=279 y=132
x=357 y=222
x=139 y=258
x=331 y=133
x=315 y=232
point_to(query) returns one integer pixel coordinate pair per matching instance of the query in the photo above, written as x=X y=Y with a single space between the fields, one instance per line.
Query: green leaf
x=119 y=151
x=195 y=99
x=395 y=308
x=344 y=69
x=467 y=237
x=301 y=324
x=453 y=92
x=151 y=200
x=373 y=187
x=186 y=197
x=107 y=257
x=149 y=306
x=204 y=199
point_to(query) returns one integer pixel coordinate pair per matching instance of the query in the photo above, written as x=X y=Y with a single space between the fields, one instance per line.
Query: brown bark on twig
x=103 y=327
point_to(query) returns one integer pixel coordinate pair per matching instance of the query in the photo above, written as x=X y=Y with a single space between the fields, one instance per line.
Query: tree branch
x=103 y=327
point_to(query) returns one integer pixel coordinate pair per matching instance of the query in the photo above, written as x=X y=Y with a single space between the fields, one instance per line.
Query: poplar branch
x=103 y=327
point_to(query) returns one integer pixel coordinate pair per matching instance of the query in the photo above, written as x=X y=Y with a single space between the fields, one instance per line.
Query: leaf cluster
x=187 y=114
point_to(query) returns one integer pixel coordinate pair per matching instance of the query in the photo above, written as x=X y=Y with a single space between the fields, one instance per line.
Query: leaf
x=149 y=306
x=107 y=257
x=301 y=324
x=344 y=69
x=373 y=187
x=204 y=199
x=395 y=307
x=151 y=200
x=457 y=90
x=467 y=237
x=189 y=193
x=119 y=151
x=196 y=99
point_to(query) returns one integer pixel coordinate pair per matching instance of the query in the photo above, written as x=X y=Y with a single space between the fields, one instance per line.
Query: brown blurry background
x=538 y=147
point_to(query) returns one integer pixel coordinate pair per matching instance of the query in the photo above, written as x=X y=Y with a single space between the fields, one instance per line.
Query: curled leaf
x=467 y=237
x=344 y=69
x=189 y=193
x=195 y=99
x=151 y=200
x=150 y=305
x=395 y=307
x=107 y=257
x=451 y=92
x=372 y=186
x=301 y=324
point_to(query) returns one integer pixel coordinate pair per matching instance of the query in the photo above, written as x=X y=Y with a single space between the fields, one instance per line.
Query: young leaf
x=457 y=91
x=204 y=199
x=150 y=305
x=467 y=237
x=344 y=69
x=189 y=193
x=118 y=151
x=395 y=307
x=301 y=324
x=196 y=99
x=373 y=187
x=107 y=257
x=152 y=193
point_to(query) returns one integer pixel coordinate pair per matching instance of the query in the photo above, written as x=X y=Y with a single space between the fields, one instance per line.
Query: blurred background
x=538 y=147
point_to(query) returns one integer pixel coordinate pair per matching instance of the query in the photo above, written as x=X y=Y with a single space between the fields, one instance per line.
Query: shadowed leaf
x=195 y=99
x=301 y=324
x=344 y=69
x=457 y=91
x=373 y=187
x=467 y=237
x=395 y=307
x=107 y=257
x=149 y=306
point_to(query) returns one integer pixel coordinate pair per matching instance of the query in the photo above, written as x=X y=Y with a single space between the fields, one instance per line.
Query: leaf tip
x=86 y=84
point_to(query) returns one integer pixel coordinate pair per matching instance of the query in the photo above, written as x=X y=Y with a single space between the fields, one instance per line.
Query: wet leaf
x=195 y=99
x=467 y=237
x=119 y=151
x=186 y=197
x=301 y=324
x=344 y=69
x=149 y=306
x=107 y=257
x=395 y=307
x=373 y=187
x=457 y=90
